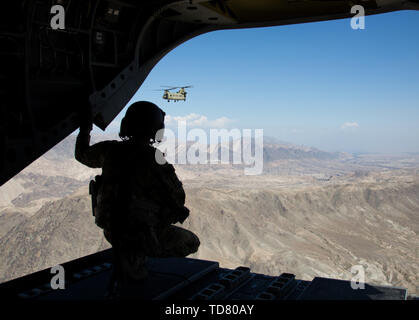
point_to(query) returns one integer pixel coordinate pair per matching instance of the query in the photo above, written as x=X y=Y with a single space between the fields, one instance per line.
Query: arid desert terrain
x=311 y=213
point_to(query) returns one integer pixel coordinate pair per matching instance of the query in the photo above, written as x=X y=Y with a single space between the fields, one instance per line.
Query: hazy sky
x=317 y=84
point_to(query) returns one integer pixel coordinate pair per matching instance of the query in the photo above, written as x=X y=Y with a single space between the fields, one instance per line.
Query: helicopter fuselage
x=175 y=96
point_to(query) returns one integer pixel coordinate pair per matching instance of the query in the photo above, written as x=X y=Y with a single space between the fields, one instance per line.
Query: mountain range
x=311 y=213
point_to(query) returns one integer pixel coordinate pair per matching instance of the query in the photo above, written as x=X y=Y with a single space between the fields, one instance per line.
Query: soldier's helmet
x=143 y=120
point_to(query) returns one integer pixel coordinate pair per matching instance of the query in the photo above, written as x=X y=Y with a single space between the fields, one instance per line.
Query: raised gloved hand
x=86 y=119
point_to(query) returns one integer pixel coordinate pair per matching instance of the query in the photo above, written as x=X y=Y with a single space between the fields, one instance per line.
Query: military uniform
x=137 y=203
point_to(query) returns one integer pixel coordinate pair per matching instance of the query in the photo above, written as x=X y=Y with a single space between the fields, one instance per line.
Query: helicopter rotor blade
x=170 y=88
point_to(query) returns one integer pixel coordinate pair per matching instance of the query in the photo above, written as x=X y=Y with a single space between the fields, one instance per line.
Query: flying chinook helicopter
x=175 y=96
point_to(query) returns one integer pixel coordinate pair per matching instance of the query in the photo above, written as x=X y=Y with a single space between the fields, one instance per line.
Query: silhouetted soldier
x=137 y=199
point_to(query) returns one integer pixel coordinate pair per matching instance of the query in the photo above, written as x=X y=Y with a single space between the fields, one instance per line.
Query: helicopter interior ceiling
x=104 y=53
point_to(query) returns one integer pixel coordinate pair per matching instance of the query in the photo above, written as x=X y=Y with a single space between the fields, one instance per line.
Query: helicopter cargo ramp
x=186 y=279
